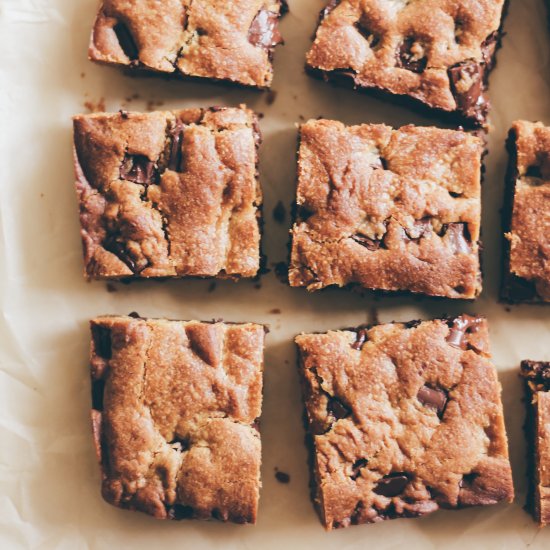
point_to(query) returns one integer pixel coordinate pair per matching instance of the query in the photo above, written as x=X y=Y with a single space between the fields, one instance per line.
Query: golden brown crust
x=435 y=51
x=174 y=415
x=212 y=39
x=388 y=209
x=169 y=194
x=528 y=233
x=537 y=427
x=405 y=419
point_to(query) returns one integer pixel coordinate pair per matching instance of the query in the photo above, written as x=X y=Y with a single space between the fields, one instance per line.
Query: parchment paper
x=49 y=478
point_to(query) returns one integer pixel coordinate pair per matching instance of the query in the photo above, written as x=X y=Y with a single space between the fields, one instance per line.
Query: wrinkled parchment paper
x=49 y=479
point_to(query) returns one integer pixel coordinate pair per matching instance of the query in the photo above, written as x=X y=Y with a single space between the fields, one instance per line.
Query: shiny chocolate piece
x=392 y=485
x=460 y=326
x=433 y=398
x=466 y=80
x=175 y=159
x=264 y=30
x=360 y=339
x=138 y=168
x=411 y=56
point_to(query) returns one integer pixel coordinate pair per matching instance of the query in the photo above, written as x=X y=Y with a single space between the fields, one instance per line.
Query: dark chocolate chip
x=118 y=248
x=337 y=409
x=413 y=324
x=126 y=41
x=98 y=388
x=466 y=80
x=356 y=468
x=331 y=6
x=534 y=171
x=360 y=339
x=201 y=32
x=182 y=444
x=419 y=229
x=264 y=31
x=282 y=477
x=123 y=114
x=175 y=160
x=488 y=49
x=433 y=398
x=455 y=195
x=357 y=513
x=460 y=326
x=303 y=213
x=391 y=485
x=468 y=480
x=134 y=315
x=372 y=39
x=179 y=511
x=409 y=59
x=458 y=236
x=138 y=168
x=367 y=242
x=102 y=341
x=279 y=212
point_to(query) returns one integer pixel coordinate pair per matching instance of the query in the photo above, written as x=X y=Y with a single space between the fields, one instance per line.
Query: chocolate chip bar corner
x=169 y=194
x=226 y=41
x=435 y=54
x=403 y=419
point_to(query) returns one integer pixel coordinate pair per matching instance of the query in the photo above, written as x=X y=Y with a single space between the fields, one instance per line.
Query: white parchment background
x=49 y=496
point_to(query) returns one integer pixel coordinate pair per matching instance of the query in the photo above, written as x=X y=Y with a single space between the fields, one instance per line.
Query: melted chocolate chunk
x=411 y=56
x=367 y=242
x=537 y=373
x=466 y=80
x=138 y=168
x=282 y=477
x=356 y=468
x=98 y=388
x=391 y=485
x=118 y=248
x=337 y=409
x=179 y=511
x=180 y=444
x=264 y=31
x=460 y=326
x=331 y=6
x=433 y=398
x=102 y=341
x=175 y=160
x=419 y=229
x=488 y=49
x=372 y=39
x=360 y=339
x=126 y=41
x=458 y=236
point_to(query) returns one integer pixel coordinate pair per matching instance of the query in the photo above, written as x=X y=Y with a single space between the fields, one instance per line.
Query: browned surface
x=388 y=209
x=420 y=403
x=529 y=230
x=175 y=433
x=212 y=39
x=196 y=215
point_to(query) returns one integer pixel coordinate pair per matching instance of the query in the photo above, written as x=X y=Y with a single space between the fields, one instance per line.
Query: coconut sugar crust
x=169 y=194
x=175 y=416
x=385 y=209
x=437 y=53
x=527 y=215
x=536 y=375
x=206 y=39
x=403 y=419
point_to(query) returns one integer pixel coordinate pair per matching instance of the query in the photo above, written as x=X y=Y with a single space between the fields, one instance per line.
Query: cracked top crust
x=438 y=52
x=169 y=194
x=175 y=410
x=387 y=209
x=404 y=419
x=537 y=427
x=528 y=231
x=212 y=39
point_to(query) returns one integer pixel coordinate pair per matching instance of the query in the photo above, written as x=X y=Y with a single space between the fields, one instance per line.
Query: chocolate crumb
x=282 y=477
x=275 y=311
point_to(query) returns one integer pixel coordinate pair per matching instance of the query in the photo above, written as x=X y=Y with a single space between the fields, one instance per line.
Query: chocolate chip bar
x=536 y=375
x=169 y=194
x=203 y=39
x=175 y=407
x=385 y=209
x=527 y=215
x=434 y=54
x=403 y=419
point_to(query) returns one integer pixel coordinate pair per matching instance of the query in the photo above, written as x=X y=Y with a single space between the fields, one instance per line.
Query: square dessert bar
x=175 y=416
x=169 y=194
x=527 y=215
x=386 y=209
x=403 y=419
x=537 y=429
x=207 y=39
x=436 y=54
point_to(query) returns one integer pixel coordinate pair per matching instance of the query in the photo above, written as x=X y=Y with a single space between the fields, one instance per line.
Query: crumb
x=111 y=287
x=270 y=97
x=281 y=477
x=275 y=311
x=82 y=75
x=294 y=96
x=257 y=286
x=95 y=106
x=212 y=286
x=260 y=115
x=281 y=272
x=508 y=309
x=287 y=362
x=41 y=195
x=301 y=117
x=279 y=212
x=374 y=319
